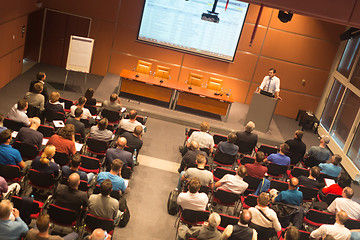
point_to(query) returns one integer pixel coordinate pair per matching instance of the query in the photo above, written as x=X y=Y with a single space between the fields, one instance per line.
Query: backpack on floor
x=125 y=218
x=172 y=205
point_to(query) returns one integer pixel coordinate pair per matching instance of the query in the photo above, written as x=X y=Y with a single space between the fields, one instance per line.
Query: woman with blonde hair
x=45 y=163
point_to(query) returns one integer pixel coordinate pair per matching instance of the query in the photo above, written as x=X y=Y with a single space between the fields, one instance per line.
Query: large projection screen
x=200 y=27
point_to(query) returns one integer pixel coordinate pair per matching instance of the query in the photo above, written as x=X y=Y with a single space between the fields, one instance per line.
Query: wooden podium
x=261 y=111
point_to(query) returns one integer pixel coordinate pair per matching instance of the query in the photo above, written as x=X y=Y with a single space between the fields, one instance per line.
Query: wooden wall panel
x=246 y=37
x=291 y=76
x=292 y=102
x=309 y=27
x=33 y=35
x=6 y=39
x=299 y=49
x=130 y=12
x=26 y=6
x=17 y=26
x=16 y=62
x=104 y=10
x=253 y=14
x=103 y=32
x=5 y=66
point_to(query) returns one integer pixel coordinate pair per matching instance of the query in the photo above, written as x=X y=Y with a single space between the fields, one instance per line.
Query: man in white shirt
x=264 y=218
x=234 y=183
x=81 y=103
x=338 y=230
x=204 y=139
x=271 y=84
x=18 y=112
x=130 y=124
x=192 y=199
x=345 y=203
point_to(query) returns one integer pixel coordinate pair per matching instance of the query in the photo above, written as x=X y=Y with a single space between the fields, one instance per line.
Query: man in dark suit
x=40 y=77
x=247 y=140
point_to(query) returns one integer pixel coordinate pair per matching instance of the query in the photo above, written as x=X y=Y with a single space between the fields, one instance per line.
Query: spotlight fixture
x=285 y=16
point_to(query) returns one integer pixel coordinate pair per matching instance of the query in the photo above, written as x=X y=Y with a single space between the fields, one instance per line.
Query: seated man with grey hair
x=246 y=140
x=11 y=229
x=318 y=154
x=332 y=169
x=30 y=135
x=205 y=232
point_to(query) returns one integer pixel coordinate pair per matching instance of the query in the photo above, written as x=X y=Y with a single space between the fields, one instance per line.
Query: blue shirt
x=293 y=197
x=117 y=182
x=13 y=230
x=279 y=159
x=330 y=169
x=9 y=155
x=66 y=172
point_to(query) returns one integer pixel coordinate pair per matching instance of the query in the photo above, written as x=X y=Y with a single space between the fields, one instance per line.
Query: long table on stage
x=174 y=93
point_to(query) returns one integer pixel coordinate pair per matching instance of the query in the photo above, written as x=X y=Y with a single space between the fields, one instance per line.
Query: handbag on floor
x=125 y=218
x=172 y=206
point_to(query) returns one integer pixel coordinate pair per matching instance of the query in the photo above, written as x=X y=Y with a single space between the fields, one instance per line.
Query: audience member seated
x=18 y=112
x=134 y=139
x=45 y=163
x=102 y=205
x=99 y=132
x=280 y=158
x=206 y=231
x=68 y=196
x=247 y=137
x=192 y=199
x=80 y=104
x=345 y=203
x=241 y=231
x=11 y=229
x=336 y=188
x=89 y=95
x=79 y=126
x=202 y=137
x=205 y=177
x=119 y=153
x=292 y=233
x=41 y=232
x=264 y=219
x=130 y=124
x=234 y=183
x=5 y=189
x=297 y=146
x=257 y=169
x=35 y=98
x=8 y=154
x=229 y=147
x=114 y=104
x=40 y=78
x=2 y=128
x=338 y=230
x=53 y=105
x=74 y=168
x=30 y=135
x=320 y=153
x=311 y=181
x=292 y=195
x=332 y=169
x=189 y=159
x=114 y=175
x=64 y=141
x=98 y=234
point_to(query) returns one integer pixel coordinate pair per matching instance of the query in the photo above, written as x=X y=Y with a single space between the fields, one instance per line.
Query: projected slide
x=198 y=26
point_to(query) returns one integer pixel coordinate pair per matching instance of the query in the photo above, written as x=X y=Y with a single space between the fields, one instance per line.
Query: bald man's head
x=294 y=182
x=74 y=180
x=194 y=145
x=245 y=217
x=98 y=234
x=121 y=142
